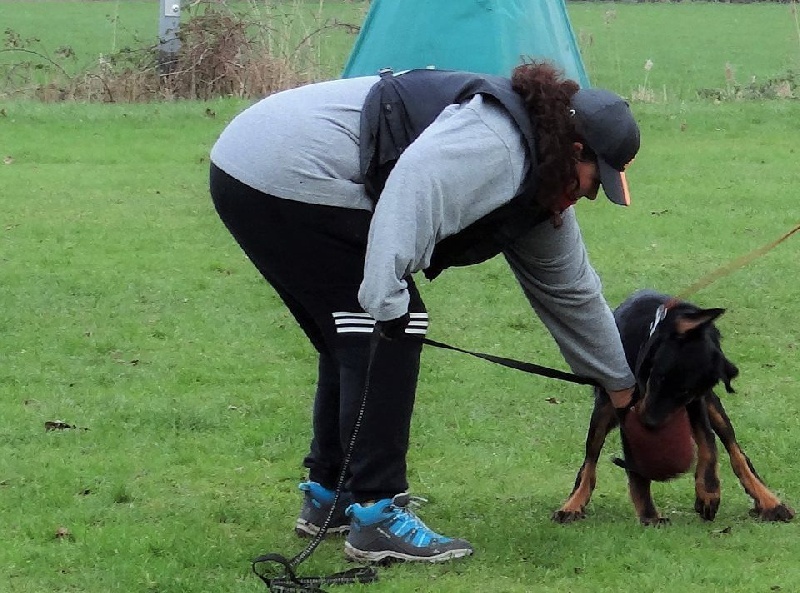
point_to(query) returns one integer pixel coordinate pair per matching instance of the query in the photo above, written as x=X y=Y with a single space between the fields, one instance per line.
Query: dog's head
x=680 y=362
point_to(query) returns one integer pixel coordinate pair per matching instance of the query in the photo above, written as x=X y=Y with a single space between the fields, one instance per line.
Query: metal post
x=168 y=42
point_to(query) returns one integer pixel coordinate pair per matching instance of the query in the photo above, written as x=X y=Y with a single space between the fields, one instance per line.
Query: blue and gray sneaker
x=317 y=503
x=388 y=530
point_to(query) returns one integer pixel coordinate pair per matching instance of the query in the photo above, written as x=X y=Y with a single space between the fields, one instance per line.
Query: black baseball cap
x=605 y=122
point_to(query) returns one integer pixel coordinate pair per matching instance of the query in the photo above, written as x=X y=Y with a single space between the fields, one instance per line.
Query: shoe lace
x=405 y=505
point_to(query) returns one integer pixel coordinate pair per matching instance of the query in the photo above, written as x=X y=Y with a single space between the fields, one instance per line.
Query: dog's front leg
x=767 y=506
x=706 y=473
x=639 y=488
x=604 y=419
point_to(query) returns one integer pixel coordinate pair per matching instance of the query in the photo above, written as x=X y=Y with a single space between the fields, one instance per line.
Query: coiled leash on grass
x=289 y=582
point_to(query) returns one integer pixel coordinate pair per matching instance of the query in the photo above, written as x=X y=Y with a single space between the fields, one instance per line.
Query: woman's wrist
x=621 y=398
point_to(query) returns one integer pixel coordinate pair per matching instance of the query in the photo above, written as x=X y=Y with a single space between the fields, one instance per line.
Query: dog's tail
x=618 y=461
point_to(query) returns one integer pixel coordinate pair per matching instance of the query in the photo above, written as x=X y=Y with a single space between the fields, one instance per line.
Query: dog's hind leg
x=767 y=506
x=706 y=473
x=603 y=420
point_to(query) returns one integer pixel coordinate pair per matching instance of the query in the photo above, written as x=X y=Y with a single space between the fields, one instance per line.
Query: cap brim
x=615 y=186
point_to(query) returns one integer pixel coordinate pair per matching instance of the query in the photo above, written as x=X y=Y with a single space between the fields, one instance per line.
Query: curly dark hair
x=547 y=93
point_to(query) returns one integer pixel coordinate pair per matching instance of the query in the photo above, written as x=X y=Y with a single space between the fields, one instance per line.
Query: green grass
x=127 y=310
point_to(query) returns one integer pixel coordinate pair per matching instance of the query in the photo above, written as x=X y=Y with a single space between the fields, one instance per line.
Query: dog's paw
x=654 y=521
x=707 y=508
x=777 y=513
x=567 y=516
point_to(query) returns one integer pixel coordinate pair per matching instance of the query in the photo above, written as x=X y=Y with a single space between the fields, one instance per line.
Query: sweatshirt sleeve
x=553 y=269
x=468 y=162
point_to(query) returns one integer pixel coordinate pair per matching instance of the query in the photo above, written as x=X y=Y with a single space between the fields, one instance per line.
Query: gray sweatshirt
x=302 y=145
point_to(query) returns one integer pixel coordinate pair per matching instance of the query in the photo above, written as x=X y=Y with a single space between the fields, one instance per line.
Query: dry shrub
x=223 y=53
x=784 y=86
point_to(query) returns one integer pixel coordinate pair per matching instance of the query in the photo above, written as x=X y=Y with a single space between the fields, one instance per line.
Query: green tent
x=486 y=36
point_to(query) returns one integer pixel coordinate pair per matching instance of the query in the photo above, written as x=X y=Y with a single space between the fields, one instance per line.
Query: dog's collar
x=661 y=313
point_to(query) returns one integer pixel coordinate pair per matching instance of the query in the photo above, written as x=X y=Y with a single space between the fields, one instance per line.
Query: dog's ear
x=729 y=372
x=691 y=321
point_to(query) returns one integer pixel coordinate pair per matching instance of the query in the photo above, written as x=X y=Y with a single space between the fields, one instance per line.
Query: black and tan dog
x=674 y=348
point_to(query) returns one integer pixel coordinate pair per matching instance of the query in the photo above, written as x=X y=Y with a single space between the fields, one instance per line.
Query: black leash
x=536 y=369
x=528 y=367
x=288 y=581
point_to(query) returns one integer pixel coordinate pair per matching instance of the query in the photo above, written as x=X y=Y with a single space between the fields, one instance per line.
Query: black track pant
x=313 y=256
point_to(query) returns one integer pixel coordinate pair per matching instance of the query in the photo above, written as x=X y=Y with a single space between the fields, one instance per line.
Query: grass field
x=127 y=311
x=689 y=44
